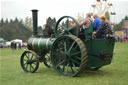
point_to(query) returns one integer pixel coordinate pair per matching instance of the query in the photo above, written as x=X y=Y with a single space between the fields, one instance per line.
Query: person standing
x=87 y=26
x=124 y=34
x=96 y=23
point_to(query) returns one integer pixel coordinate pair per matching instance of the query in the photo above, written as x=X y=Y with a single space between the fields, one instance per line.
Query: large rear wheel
x=69 y=55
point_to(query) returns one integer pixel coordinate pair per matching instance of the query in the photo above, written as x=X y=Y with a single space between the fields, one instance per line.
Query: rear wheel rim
x=68 y=55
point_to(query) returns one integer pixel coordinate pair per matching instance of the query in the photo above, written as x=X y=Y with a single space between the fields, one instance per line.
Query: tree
x=14 y=29
x=1 y=22
x=119 y=26
x=126 y=18
x=28 y=22
x=16 y=20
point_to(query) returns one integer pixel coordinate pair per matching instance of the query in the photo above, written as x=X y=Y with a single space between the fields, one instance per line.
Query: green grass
x=11 y=72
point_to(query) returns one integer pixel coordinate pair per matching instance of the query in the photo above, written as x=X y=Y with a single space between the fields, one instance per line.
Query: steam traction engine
x=66 y=51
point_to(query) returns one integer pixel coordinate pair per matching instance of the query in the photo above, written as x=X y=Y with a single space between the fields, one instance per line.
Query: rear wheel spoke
x=63 y=68
x=75 y=61
x=78 y=57
x=71 y=46
x=66 y=70
x=60 y=63
x=76 y=53
x=72 y=69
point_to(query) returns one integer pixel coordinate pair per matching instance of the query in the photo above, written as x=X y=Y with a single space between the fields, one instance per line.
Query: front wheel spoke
x=27 y=56
x=34 y=63
x=25 y=60
x=25 y=63
x=31 y=66
x=32 y=57
x=26 y=66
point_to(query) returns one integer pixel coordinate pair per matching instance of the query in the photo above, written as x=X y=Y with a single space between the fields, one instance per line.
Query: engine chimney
x=35 y=22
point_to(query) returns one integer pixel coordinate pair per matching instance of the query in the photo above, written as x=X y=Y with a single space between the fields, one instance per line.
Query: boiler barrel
x=40 y=44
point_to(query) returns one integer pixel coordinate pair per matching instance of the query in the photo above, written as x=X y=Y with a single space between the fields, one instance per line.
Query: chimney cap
x=34 y=10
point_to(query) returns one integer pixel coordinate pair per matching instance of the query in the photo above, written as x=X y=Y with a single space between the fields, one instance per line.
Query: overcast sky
x=55 y=8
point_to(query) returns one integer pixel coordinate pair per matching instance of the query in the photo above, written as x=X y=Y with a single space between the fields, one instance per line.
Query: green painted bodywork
x=95 y=49
x=100 y=52
x=39 y=44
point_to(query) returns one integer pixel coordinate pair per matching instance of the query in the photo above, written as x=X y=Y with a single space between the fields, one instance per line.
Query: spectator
x=124 y=34
x=15 y=46
x=20 y=46
x=12 y=45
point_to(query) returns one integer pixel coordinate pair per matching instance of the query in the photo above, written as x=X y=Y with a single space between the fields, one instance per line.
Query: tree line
x=119 y=26
x=22 y=29
x=16 y=29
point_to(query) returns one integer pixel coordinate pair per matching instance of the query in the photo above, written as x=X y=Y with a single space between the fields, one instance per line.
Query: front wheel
x=29 y=61
x=47 y=60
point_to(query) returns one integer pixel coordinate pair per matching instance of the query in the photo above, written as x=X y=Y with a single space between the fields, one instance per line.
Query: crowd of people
x=15 y=45
x=123 y=37
x=95 y=26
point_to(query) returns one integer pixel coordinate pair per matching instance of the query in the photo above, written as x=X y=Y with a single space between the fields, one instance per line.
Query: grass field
x=113 y=74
